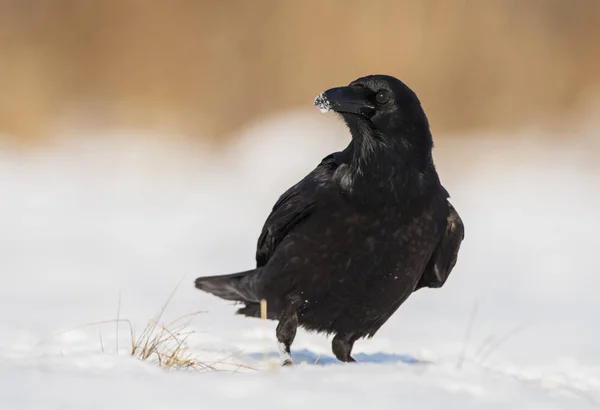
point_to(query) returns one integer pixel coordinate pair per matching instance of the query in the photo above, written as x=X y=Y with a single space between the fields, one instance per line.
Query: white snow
x=87 y=222
x=322 y=103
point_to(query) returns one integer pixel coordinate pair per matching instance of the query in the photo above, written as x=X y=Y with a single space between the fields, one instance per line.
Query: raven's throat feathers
x=401 y=164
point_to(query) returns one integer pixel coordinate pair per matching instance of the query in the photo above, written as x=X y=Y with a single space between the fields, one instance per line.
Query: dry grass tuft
x=166 y=345
x=159 y=343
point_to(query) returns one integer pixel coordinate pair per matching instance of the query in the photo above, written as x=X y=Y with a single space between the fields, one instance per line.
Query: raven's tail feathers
x=234 y=287
x=228 y=287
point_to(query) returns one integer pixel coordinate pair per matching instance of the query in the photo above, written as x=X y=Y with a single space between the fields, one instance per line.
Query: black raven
x=345 y=247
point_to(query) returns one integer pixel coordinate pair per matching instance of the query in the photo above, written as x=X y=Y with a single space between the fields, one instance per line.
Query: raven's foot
x=286 y=332
x=341 y=346
x=284 y=355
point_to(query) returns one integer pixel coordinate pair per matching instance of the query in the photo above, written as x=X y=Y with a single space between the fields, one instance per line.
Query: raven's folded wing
x=445 y=255
x=293 y=206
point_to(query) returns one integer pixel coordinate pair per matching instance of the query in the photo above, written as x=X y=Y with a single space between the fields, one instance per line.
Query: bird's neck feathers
x=401 y=166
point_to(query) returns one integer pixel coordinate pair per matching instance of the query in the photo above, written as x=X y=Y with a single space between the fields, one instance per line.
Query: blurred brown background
x=208 y=68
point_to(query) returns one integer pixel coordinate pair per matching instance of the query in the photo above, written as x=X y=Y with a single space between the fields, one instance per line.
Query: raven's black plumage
x=345 y=247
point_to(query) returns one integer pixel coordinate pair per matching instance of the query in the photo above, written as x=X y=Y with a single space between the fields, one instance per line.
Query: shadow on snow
x=306 y=356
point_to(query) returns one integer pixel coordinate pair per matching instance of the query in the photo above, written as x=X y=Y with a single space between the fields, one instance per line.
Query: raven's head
x=391 y=141
x=382 y=106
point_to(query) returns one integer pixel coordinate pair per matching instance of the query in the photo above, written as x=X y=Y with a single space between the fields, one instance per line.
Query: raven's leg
x=342 y=347
x=286 y=332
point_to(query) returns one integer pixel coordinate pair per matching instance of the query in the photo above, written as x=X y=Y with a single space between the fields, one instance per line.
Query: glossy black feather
x=445 y=255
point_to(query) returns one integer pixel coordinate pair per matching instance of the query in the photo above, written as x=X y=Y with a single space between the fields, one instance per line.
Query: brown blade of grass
x=162 y=311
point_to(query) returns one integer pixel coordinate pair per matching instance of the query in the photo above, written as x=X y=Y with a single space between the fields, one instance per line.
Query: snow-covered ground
x=88 y=222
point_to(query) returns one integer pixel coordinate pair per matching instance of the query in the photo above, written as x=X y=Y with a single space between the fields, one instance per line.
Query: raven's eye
x=382 y=97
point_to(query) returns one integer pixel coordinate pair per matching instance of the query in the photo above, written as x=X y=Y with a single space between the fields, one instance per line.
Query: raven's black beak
x=350 y=99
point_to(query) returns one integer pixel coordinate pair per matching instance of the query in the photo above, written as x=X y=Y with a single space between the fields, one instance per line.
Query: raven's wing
x=445 y=255
x=292 y=207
